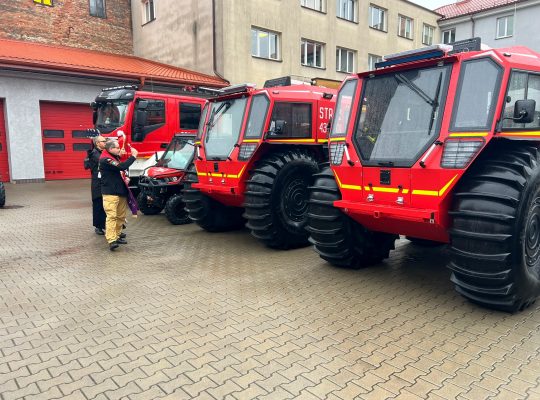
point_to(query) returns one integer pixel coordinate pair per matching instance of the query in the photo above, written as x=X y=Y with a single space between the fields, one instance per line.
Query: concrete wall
x=181 y=34
x=294 y=22
x=69 y=23
x=22 y=94
x=526 y=17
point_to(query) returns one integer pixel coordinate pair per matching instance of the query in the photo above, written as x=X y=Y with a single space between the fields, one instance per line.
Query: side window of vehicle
x=522 y=86
x=148 y=119
x=293 y=118
x=190 y=114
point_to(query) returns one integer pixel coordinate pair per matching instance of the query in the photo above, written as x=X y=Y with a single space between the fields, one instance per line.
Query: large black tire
x=495 y=237
x=276 y=198
x=146 y=208
x=2 y=195
x=175 y=210
x=337 y=238
x=208 y=213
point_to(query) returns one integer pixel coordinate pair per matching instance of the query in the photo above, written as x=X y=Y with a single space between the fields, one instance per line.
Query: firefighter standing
x=114 y=191
x=98 y=213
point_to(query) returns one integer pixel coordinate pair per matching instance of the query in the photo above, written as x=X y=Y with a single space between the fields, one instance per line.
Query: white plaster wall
x=22 y=93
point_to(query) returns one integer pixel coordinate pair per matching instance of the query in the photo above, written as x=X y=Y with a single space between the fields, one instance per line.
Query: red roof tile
x=466 y=7
x=59 y=58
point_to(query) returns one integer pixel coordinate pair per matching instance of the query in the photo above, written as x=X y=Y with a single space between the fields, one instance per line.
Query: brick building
x=91 y=24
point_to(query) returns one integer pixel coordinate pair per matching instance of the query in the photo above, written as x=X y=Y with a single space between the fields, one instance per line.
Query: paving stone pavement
x=180 y=313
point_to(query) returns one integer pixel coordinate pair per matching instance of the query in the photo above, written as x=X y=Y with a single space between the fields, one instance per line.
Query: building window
x=345 y=60
x=97 y=8
x=264 y=44
x=346 y=9
x=312 y=54
x=427 y=34
x=372 y=60
x=449 y=36
x=377 y=17
x=505 y=26
x=44 y=2
x=405 y=27
x=317 y=5
x=149 y=11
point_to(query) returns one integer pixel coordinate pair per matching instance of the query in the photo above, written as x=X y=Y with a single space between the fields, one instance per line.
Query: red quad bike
x=161 y=185
x=257 y=154
x=440 y=144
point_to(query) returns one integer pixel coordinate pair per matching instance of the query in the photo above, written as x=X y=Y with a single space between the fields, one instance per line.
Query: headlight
x=458 y=153
x=247 y=150
x=336 y=153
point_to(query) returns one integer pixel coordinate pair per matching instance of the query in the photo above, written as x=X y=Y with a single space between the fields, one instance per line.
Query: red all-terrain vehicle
x=256 y=158
x=441 y=145
x=161 y=185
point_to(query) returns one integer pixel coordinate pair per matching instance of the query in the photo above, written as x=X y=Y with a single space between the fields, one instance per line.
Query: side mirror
x=93 y=104
x=142 y=105
x=524 y=111
x=329 y=126
x=141 y=118
x=156 y=156
x=277 y=127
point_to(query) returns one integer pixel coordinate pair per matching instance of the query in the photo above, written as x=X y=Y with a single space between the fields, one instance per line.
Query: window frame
x=385 y=15
x=292 y=103
x=506 y=25
x=278 y=44
x=459 y=89
x=181 y=104
x=103 y=2
x=450 y=32
x=340 y=58
x=144 y=13
x=354 y=11
x=506 y=94
x=322 y=3
x=370 y=57
x=429 y=27
x=304 y=45
x=406 y=19
x=246 y=134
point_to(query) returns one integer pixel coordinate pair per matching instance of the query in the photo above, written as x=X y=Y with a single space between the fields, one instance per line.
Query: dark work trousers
x=98 y=213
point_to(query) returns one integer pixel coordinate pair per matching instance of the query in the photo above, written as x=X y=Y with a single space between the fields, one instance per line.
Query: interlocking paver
x=179 y=313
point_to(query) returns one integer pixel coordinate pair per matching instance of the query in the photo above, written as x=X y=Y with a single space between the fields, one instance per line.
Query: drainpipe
x=472 y=27
x=214 y=41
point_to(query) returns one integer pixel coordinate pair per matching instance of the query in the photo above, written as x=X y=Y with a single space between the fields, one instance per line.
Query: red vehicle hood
x=160 y=172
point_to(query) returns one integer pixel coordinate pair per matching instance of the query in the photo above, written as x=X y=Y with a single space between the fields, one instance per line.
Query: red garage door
x=4 y=166
x=63 y=130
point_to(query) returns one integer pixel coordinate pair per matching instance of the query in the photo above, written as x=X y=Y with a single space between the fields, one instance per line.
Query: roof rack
x=133 y=87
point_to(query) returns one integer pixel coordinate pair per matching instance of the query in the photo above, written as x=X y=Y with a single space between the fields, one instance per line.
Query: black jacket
x=93 y=162
x=111 y=178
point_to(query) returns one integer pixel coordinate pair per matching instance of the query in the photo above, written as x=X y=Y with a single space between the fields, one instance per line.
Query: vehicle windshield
x=400 y=115
x=223 y=127
x=111 y=115
x=178 y=155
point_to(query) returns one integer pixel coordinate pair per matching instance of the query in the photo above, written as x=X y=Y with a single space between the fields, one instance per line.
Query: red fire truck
x=440 y=144
x=145 y=119
x=257 y=153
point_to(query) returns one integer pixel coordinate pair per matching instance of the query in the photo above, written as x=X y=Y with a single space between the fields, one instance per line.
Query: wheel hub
x=295 y=200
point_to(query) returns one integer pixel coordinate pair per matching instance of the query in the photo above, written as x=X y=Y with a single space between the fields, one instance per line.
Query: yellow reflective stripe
x=323 y=140
x=468 y=134
x=345 y=186
x=337 y=139
x=434 y=192
x=218 y=175
x=250 y=140
x=293 y=140
x=198 y=143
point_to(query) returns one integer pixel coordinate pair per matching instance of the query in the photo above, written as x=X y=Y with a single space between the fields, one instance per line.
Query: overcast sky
x=432 y=4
